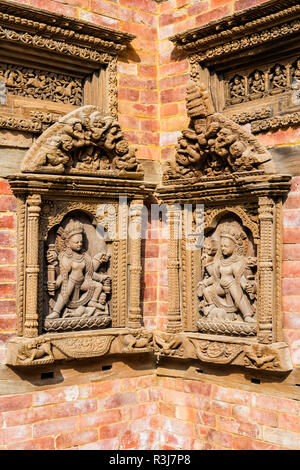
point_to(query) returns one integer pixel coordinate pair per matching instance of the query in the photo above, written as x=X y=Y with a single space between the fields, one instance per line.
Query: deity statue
x=227 y=290
x=75 y=285
x=237 y=90
x=296 y=70
x=278 y=79
x=257 y=83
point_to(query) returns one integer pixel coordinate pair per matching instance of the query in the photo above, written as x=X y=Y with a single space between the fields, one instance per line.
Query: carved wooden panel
x=228 y=282
x=249 y=56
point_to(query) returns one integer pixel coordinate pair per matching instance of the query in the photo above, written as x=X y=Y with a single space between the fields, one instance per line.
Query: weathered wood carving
x=227 y=290
x=73 y=268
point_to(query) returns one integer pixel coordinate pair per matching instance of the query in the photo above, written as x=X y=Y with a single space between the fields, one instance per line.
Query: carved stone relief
x=83 y=142
x=33 y=83
x=227 y=291
x=73 y=265
x=233 y=276
x=248 y=56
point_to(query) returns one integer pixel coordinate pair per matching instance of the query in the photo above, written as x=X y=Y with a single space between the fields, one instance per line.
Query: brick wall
x=151 y=412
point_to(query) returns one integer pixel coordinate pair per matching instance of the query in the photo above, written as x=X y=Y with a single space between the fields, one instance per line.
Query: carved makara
x=82 y=142
x=213 y=145
x=78 y=284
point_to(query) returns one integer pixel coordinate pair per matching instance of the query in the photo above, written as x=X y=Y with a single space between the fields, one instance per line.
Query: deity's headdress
x=73 y=227
x=237 y=235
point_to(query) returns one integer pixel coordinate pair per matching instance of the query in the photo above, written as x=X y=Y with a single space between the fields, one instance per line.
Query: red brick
x=147 y=71
x=171 y=17
x=213 y=14
x=290 y=286
x=45 y=443
x=291 y=218
x=105 y=444
x=18 y=433
x=291 y=252
x=291 y=235
x=293 y=201
x=55 y=427
x=65 y=394
x=100 y=389
x=146 y=5
x=144 y=17
x=282 y=437
x=172 y=441
x=220 y=408
x=291 y=303
x=27 y=416
x=173 y=94
x=7 y=203
x=74 y=408
x=197 y=387
x=128 y=122
x=149 y=96
x=243 y=4
x=8 y=323
x=118 y=400
x=290 y=269
x=15 y=402
x=110 y=9
x=92 y=420
x=128 y=94
x=230 y=395
x=169 y=409
x=55 y=7
x=80 y=437
x=218 y=437
x=244 y=443
x=4 y=187
x=289 y=422
x=7 y=307
x=7 y=273
x=8 y=255
x=140 y=30
x=276 y=404
x=174 y=68
x=254 y=415
x=176 y=426
x=7 y=291
x=218 y=3
x=98 y=19
x=8 y=238
x=197 y=8
x=142 y=410
x=7 y=221
x=129 y=440
x=145 y=110
x=291 y=321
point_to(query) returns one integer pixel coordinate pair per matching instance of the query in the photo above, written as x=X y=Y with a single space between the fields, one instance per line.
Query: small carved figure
x=138 y=339
x=257 y=84
x=228 y=287
x=54 y=154
x=278 y=79
x=237 y=89
x=79 y=285
x=260 y=356
x=34 y=350
x=296 y=70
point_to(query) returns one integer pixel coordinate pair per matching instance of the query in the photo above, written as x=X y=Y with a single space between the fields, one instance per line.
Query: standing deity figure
x=80 y=289
x=227 y=290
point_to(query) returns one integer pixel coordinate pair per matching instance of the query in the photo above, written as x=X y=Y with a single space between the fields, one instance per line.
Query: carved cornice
x=261 y=24
x=37 y=22
x=275 y=123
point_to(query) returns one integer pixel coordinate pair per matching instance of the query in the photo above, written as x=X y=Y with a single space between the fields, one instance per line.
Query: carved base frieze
x=222 y=350
x=226 y=328
x=51 y=347
x=81 y=323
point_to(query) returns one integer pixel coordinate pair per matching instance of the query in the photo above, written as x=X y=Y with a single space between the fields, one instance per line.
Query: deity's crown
x=73 y=227
x=233 y=233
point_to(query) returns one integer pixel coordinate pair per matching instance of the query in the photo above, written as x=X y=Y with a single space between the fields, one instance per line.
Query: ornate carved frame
x=265 y=33
x=255 y=196
x=51 y=42
x=43 y=200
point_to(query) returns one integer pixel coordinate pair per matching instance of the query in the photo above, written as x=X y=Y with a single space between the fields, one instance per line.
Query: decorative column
x=266 y=268
x=135 y=268
x=174 y=317
x=32 y=266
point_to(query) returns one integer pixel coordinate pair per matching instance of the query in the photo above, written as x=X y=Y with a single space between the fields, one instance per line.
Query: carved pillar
x=135 y=269
x=174 y=317
x=32 y=265
x=266 y=267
